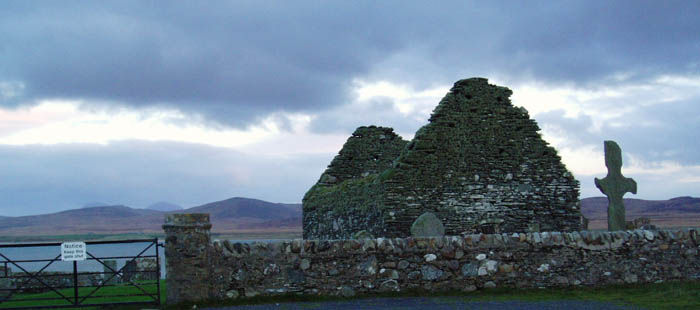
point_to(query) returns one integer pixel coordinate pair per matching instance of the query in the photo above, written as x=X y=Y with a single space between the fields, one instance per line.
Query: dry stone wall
x=479 y=165
x=369 y=150
x=469 y=262
x=527 y=260
x=343 y=202
x=519 y=260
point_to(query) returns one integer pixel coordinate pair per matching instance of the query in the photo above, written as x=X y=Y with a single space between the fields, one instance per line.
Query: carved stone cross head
x=614 y=185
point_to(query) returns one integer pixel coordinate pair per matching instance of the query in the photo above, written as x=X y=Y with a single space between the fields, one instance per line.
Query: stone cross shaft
x=614 y=185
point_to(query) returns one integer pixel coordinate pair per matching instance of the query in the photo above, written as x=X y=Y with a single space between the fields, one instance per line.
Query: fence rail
x=136 y=282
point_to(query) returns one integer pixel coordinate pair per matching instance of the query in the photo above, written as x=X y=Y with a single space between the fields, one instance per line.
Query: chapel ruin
x=479 y=165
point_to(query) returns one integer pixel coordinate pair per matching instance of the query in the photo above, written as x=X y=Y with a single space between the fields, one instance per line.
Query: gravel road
x=437 y=303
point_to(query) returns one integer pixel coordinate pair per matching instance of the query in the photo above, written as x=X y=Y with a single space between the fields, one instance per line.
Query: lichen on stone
x=479 y=165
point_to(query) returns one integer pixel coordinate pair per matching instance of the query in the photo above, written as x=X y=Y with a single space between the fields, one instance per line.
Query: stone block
x=427 y=225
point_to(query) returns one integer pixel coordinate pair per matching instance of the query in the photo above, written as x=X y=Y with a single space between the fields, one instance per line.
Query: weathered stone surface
x=232 y=294
x=614 y=185
x=347 y=291
x=631 y=278
x=470 y=270
x=389 y=286
x=295 y=276
x=305 y=264
x=470 y=288
x=187 y=245
x=369 y=266
x=431 y=273
x=427 y=225
x=110 y=269
x=339 y=205
x=507 y=261
x=479 y=165
x=362 y=234
x=505 y=268
x=5 y=282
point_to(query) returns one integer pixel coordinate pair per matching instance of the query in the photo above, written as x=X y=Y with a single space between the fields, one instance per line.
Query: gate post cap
x=193 y=220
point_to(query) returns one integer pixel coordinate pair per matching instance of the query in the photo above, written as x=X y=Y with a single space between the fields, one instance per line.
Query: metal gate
x=38 y=275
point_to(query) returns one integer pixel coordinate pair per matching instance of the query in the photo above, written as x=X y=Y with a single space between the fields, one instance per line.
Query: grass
x=104 y=295
x=662 y=296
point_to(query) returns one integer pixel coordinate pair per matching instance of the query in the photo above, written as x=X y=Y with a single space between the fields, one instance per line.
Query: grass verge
x=661 y=296
x=107 y=294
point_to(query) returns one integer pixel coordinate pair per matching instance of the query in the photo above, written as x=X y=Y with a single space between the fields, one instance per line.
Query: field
x=104 y=295
x=662 y=296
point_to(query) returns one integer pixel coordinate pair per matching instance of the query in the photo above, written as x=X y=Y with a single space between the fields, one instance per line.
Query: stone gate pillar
x=187 y=246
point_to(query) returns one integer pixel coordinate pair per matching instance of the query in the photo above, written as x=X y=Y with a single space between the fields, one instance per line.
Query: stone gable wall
x=339 y=211
x=369 y=150
x=347 y=267
x=346 y=199
x=480 y=165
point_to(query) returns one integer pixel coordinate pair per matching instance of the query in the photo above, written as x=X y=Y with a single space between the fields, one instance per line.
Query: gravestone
x=614 y=185
x=110 y=267
x=584 y=222
x=147 y=268
x=130 y=271
x=427 y=225
x=5 y=283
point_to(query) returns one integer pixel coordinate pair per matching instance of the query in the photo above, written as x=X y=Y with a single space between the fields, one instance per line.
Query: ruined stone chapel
x=479 y=165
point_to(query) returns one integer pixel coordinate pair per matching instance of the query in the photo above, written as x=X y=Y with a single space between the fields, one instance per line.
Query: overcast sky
x=131 y=103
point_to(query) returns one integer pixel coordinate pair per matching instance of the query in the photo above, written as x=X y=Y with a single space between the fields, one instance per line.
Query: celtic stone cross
x=614 y=185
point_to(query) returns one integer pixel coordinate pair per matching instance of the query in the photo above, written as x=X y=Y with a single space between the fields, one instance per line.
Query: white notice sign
x=71 y=251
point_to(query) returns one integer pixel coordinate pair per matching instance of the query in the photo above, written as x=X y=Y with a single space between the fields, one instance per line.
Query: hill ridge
x=228 y=215
x=678 y=211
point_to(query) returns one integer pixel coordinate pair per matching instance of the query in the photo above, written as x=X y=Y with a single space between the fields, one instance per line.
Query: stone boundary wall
x=470 y=262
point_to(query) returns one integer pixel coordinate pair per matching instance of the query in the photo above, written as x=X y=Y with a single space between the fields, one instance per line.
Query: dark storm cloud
x=230 y=62
x=660 y=132
x=666 y=131
x=42 y=179
x=236 y=61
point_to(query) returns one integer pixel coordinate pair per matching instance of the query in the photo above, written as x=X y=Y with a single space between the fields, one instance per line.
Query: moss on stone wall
x=336 y=212
x=347 y=197
x=480 y=164
x=369 y=150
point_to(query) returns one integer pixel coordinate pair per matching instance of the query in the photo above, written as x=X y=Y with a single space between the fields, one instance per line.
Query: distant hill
x=95 y=204
x=246 y=213
x=253 y=215
x=680 y=211
x=106 y=219
x=231 y=215
x=164 y=206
